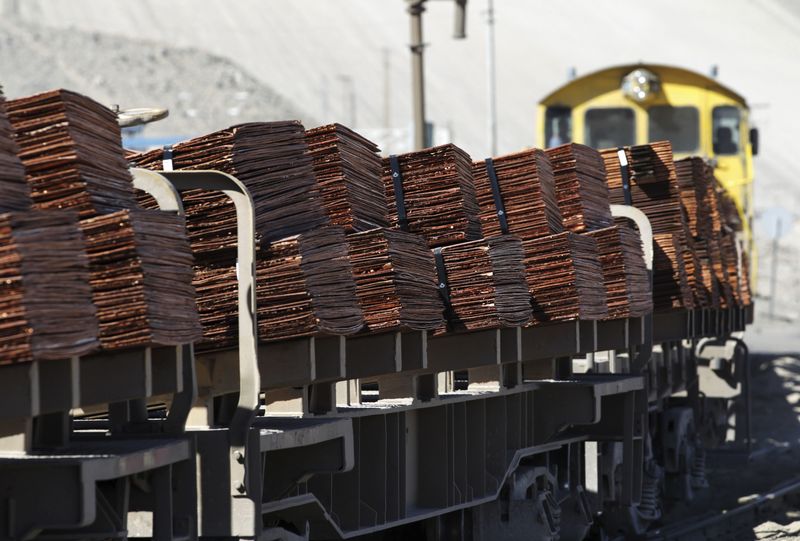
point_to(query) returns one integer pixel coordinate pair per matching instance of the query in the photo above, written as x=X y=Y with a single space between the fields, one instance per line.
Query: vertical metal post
x=773 y=271
x=387 y=91
x=417 y=47
x=491 y=77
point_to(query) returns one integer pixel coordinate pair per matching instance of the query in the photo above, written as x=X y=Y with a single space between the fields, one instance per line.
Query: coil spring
x=698 y=470
x=649 y=505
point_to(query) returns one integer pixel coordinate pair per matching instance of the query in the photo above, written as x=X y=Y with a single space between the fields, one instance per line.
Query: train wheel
x=527 y=509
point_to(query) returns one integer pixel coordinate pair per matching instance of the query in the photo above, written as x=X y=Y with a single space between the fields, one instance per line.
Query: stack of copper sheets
x=581 y=188
x=271 y=159
x=694 y=272
x=304 y=287
x=709 y=282
x=516 y=194
x=436 y=198
x=45 y=298
x=14 y=191
x=141 y=277
x=653 y=189
x=651 y=163
x=625 y=275
x=670 y=284
x=563 y=274
x=692 y=182
x=744 y=282
x=71 y=148
x=395 y=280
x=483 y=284
x=730 y=259
x=348 y=171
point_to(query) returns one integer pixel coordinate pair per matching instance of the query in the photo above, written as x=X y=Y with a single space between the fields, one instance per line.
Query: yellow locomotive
x=639 y=103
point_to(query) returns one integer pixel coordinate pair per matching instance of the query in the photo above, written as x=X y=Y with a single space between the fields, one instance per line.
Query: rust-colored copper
x=395 y=281
x=71 y=148
x=271 y=159
x=141 y=277
x=348 y=171
x=564 y=277
x=486 y=284
x=581 y=188
x=46 y=309
x=304 y=287
x=439 y=195
x=527 y=191
x=625 y=276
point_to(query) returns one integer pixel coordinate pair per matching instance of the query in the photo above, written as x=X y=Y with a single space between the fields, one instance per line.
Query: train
x=580 y=429
x=637 y=103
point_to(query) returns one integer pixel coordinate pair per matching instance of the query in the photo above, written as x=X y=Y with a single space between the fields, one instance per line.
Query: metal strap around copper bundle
x=399 y=194
x=499 y=205
x=444 y=286
x=626 y=182
x=166 y=159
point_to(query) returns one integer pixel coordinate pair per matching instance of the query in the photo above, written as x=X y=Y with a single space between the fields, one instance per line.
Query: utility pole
x=325 y=104
x=415 y=9
x=349 y=98
x=387 y=90
x=491 y=74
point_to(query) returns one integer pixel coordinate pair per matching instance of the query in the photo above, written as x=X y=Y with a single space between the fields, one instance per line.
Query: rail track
x=736 y=523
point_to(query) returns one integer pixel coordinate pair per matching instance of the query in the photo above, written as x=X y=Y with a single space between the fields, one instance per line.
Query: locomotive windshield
x=679 y=125
x=610 y=127
x=726 y=129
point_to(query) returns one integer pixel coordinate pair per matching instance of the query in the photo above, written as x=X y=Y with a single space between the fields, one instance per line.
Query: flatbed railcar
x=551 y=432
x=276 y=441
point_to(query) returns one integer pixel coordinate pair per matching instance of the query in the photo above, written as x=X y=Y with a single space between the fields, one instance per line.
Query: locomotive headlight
x=640 y=85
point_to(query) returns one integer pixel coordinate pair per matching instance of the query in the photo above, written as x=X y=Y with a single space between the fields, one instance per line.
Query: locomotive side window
x=610 y=127
x=679 y=125
x=726 y=129
x=557 y=126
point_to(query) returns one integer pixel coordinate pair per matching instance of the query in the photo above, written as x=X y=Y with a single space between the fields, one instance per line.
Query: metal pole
x=491 y=78
x=415 y=9
x=387 y=90
x=774 y=269
x=387 y=102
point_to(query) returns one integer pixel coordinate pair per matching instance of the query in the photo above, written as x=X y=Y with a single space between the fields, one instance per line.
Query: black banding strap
x=399 y=194
x=498 y=197
x=444 y=286
x=626 y=182
x=166 y=158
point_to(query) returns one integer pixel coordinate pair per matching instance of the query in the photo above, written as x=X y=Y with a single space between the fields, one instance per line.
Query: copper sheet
x=625 y=275
x=439 y=195
x=304 y=287
x=395 y=281
x=348 y=171
x=581 y=189
x=562 y=273
x=271 y=159
x=141 y=277
x=486 y=281
x=46 y=309
x=527 y=188
x=71 y=148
